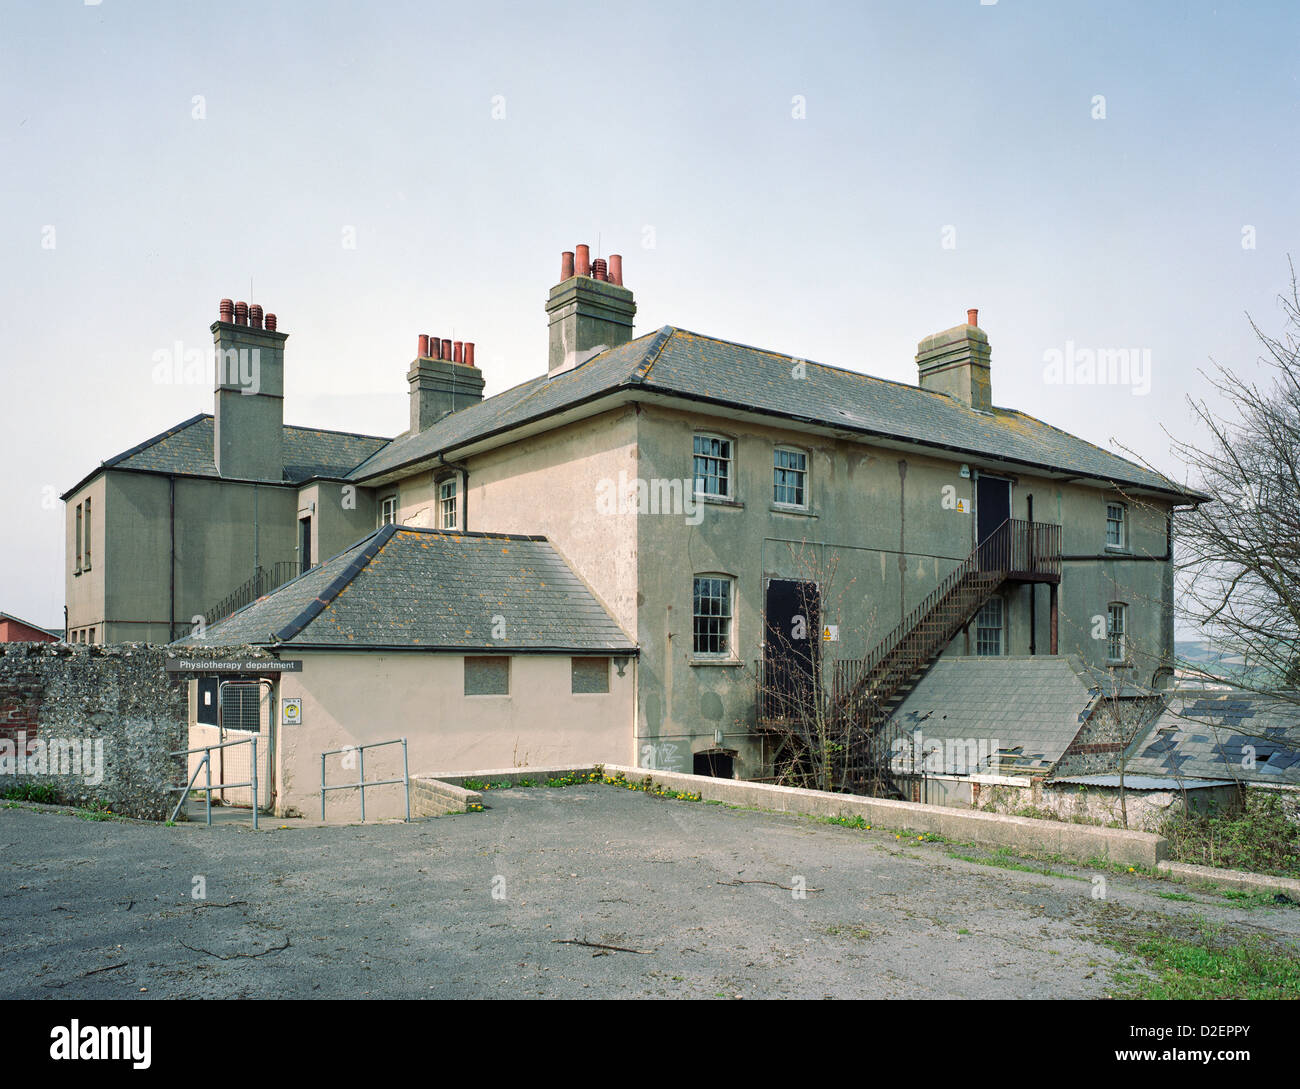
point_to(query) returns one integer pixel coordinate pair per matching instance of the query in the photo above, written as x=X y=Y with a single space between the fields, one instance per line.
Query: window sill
x=716 y=662
x=803 y=512
x=1118 y=550
x=719 y=501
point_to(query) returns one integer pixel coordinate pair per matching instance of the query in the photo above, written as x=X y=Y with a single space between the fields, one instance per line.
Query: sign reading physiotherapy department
x=291 y=711
x=233 y=665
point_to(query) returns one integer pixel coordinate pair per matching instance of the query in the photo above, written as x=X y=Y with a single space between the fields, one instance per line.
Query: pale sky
x=832 y=180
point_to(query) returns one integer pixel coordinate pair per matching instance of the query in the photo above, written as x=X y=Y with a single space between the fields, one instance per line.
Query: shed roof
x=405 y=587
x=1243 y=736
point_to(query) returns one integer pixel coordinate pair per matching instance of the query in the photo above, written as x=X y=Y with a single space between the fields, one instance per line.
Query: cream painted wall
x=550 y=485
x=351 y=698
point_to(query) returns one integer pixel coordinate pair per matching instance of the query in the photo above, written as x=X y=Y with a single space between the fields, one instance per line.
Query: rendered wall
x=351 y=698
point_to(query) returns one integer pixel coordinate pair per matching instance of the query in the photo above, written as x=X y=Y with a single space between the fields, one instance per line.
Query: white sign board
x=291 y=711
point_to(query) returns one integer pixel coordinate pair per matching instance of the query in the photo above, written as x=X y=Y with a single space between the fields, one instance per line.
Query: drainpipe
x=171 y=565
x=1033 y=588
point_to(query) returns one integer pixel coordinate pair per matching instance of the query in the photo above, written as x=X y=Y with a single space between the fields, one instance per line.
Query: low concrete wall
x=1232 y=879
x=1083 y=843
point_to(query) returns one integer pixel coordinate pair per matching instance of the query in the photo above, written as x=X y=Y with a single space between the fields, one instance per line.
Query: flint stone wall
x=70 y=713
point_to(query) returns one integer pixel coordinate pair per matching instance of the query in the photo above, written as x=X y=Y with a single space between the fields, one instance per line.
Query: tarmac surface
x=700 y=901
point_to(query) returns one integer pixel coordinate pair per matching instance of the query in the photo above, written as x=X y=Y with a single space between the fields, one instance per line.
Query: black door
x=304 y=543
x=992 y=509
x=791 y=643
x=208 y=693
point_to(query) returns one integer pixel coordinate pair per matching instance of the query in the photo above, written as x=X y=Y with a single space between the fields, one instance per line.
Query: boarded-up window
x=487 y=676
x=590 y=675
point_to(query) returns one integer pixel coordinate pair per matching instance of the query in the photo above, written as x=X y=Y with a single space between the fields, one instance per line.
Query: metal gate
x=245 y=708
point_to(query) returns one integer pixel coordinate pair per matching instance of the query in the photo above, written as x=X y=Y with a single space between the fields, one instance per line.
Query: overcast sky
x=834 y=181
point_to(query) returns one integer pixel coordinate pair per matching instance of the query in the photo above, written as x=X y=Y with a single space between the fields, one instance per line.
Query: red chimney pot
x=255 y=316
x=616 y=269
x=972 y=317
x=446 y=350
x=227 y=310
x=599 y=270
x=583 y=261
x=423 y=349
x=270 y=322
x=566 y=265
x=241 y=313
x=456 y=347
x=469 y=353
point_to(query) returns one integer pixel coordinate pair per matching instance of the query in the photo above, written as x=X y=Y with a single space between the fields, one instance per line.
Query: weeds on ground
x=1259 y=838
x=42 y=793
x=1207 y=963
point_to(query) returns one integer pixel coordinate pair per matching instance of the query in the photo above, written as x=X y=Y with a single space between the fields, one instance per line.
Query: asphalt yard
x=584 y=891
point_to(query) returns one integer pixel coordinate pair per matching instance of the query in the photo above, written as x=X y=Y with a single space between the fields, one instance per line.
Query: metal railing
x=263 y=581
x=361 y=783
x=205 y=764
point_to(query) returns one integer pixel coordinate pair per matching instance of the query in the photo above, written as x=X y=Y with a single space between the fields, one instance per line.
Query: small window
x=77 y=537
x=1115 y=527
x=86 y=566
x=988 y=629
x=712 y=615
x=90 y=638
x=1115 y=627
x=713 y=466
x=590 y=676
x=388 y=510
x=447 y=505
x=789 y=477
x=487 y=676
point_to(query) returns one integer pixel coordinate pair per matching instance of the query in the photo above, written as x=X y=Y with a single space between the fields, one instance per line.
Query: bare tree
x=1238 y=558
x=812 y=739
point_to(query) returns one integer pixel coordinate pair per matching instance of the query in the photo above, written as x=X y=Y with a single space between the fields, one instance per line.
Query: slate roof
x=705 y=369
x=407 y=587
x=1204 y=735
x=1033 y=707
x=187 y=449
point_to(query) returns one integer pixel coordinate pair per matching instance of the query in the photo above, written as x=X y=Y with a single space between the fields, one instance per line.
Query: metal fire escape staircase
x=869 y=689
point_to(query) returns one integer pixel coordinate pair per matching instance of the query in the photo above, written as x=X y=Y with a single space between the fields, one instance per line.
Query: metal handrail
x=361 y=783
x=206 y=763
x=262 y=581
x=1015 y=547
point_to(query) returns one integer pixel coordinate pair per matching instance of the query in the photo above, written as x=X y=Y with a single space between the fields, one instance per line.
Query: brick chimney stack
x=443 y=380
x=958 y=362
x=248 y=413
x=588 y=309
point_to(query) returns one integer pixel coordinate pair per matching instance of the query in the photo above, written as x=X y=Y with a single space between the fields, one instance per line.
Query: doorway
x=992 y=509
x=791 y=644
x=721 y=765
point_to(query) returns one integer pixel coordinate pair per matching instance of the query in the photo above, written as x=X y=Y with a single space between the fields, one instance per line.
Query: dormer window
x=388 y=510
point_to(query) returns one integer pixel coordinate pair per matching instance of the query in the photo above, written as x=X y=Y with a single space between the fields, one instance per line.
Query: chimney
x=248 y=413
x=957 y=362
x=588 y=309
x=440 y=382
